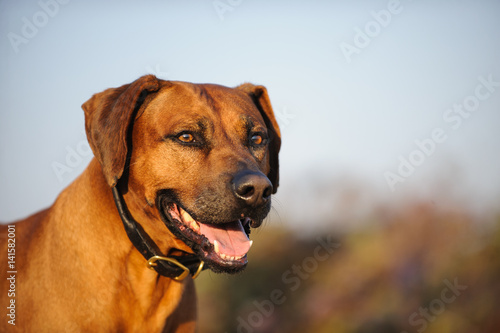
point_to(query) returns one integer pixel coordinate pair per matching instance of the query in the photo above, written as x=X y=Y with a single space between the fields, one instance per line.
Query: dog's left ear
x=109 y=116
x=261 y=99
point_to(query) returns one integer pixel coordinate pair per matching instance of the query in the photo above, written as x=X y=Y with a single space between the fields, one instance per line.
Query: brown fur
x=77 y=271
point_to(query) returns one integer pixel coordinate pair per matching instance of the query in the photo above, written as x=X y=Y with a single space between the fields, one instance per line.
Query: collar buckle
x=152 y=264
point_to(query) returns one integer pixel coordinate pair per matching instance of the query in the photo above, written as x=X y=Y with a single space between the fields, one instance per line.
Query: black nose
x=252 y=187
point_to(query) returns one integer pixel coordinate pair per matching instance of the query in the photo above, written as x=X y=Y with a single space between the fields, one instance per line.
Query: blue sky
x=345 y=117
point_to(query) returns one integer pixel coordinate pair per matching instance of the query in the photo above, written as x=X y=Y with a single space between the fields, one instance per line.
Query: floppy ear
x=109 y=116
x=261 y=99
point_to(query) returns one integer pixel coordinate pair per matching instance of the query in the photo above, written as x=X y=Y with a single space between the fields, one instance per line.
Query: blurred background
x=387 y=217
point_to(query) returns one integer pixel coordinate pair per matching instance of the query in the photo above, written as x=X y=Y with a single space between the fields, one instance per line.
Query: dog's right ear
x=109 y=116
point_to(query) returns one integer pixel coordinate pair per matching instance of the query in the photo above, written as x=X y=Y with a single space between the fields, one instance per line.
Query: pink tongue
x=232 y=239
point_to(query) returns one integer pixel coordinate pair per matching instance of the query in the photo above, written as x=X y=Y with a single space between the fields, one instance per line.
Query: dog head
x=202 y=157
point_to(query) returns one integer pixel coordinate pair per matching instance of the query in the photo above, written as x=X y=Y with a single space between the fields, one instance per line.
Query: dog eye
x=186 y=138
x=257 y=139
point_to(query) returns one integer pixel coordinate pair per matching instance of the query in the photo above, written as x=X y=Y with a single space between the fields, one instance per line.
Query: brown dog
x=181 y=172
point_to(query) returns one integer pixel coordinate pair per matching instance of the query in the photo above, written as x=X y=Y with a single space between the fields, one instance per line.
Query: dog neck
x=112 y=260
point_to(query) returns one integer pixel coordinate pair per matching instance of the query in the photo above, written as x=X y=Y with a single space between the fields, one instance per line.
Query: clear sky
x=397 y=97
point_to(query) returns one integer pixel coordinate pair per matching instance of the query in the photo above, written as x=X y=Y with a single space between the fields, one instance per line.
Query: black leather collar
x=175 y=267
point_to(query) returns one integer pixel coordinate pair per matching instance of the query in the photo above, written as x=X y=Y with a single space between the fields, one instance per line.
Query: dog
x=181 y=173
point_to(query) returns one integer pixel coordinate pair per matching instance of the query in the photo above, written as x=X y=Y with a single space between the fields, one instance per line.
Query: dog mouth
x=222 y=246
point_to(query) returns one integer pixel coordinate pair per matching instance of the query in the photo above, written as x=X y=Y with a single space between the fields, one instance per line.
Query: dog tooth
x=251 y=243
x=224 y=256
x=194 y=225
x=216 y=246
x=185 y=216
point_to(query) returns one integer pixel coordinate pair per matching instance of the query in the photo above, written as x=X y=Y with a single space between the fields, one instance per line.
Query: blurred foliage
x=417 y=270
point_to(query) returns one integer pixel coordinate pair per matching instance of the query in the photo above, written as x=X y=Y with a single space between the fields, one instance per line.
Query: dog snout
x=254 y=188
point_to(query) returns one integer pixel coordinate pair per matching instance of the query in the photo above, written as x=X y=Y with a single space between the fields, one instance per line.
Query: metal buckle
x=200 y=268
x=152 y=264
